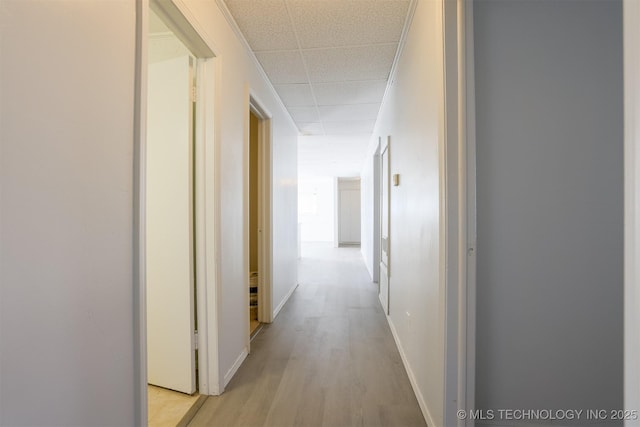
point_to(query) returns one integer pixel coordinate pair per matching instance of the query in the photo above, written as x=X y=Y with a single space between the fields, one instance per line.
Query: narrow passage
x=328 y=359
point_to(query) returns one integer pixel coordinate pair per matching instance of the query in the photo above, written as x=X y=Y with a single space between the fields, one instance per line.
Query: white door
x=169 y=203
x=384 y=229
x=349 y=212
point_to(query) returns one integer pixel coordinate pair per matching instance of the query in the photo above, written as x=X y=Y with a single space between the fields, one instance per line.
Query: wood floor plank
x=328 y=360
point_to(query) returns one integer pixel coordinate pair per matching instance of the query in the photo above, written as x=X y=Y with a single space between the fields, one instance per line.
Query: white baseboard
x=236 y=365
x=412 y=379
x=284 y=300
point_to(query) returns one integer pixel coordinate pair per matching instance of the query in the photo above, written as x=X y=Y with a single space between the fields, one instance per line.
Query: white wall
x=412 y=115
x=237 y=76
x=66 y=213
x=632 y=213
x=549 y=102
x=67 y=86
x=317 y=217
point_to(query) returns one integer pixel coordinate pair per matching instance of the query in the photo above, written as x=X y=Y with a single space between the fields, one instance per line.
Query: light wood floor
x=328 y=359
x=167 y=407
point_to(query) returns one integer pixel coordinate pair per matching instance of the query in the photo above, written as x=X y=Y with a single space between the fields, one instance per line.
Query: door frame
x=338 y=206
x=631 y=17
x=385 y=147
x=458 y=210
x=179 y=19
x=376 y=213
x=265 y=225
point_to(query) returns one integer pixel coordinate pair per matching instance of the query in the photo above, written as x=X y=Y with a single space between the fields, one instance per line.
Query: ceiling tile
x=349 y=112
x=283 y=67
x=304 y=114
x=349 y=92
x=352 y=63
x=295 y=95
x=347 y=23
x=265 y=24
x=349 y=127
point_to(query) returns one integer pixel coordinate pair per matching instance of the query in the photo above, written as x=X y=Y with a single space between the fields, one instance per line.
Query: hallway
x=328 y=359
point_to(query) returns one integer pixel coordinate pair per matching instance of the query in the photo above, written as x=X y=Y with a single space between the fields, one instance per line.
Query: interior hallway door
x=170 y=241
x=348 y=212
x=384 y=227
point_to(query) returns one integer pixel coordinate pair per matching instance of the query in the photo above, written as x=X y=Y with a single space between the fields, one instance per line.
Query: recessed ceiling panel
x=350 y=63
x=265 y=24
x=357 y=92
x=347 y=23
x=349 y=127
x=332 y=113
x=283 y=67
x=304 y=114
x=329 y=61
x=295 y=95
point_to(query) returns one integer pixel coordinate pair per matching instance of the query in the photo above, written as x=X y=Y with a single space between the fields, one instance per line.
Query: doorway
x=177 y=198
x=376 y=214
x=170 y=237
x=384 y=225
x=170 y=262
x=258 y=217
x=254 y=228
x=348 y=212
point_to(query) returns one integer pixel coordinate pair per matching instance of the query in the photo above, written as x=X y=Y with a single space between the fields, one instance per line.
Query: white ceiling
x=329 y=61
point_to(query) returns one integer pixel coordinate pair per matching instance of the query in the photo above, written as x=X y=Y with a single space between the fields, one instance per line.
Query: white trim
x=236 y=29
x=468 y=120
x=458 y=212
x=180 y=19
x=412 y=378
x=284 y=300
x=236 y=365
x=246 y=242
x=377 y=225
x=205 y=217
x=139 y=214
x=215 y=241
x=631 y=17
x=336 y=237
x=265 y=168
x=265 y=243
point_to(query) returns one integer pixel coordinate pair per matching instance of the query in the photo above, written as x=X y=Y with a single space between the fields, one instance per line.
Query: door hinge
x=193 y=93
x=195 y=340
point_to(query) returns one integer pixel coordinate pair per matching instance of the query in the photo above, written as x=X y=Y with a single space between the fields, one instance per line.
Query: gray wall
x=66 y=176
x=550 y=204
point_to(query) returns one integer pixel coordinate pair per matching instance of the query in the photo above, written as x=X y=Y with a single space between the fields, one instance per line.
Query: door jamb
x=265 y=259
x=631 y=17
x=376 y=213
x=458 y=199
x=179 y=19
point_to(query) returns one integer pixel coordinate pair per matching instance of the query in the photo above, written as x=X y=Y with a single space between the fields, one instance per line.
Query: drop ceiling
x=328 y=60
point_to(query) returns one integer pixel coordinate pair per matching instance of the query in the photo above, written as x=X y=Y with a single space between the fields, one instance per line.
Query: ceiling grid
x=328 y=60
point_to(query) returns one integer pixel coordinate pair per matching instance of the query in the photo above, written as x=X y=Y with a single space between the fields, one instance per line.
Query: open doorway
x=258 y=218
x=170 y=258
x=348 y=212
x=177 y=217
x=254 y=228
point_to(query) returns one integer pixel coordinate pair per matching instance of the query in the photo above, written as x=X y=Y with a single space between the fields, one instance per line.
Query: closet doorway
x=177 y=216
x=254 y=228
x=258 y=221
x=170 y=263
